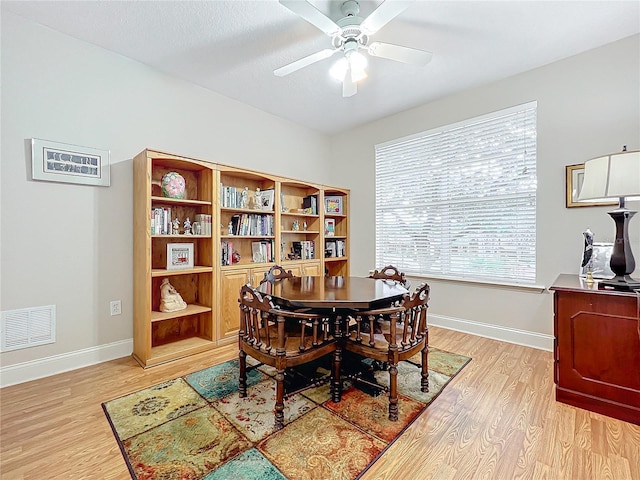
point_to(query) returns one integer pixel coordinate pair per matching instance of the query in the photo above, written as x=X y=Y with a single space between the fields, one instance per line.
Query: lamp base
x=620 y=282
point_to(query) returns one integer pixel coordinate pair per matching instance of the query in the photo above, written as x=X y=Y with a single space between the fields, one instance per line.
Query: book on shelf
x=161 y=221
x=304 y=250
x=250 y=224
x=262 y=251
x=334 y=248
x=205 y=223
x=310 y=204
x=226 y=253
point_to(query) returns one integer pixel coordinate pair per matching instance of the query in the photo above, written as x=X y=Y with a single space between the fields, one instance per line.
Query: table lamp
x=609 y=177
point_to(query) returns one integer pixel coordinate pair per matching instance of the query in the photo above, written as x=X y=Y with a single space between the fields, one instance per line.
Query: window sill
x=485 y=283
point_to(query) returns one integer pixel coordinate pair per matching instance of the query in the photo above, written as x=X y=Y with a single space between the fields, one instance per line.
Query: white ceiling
x=232 y=47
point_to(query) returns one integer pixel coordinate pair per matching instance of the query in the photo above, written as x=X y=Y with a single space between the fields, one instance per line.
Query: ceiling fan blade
x=386 y=11
x=312 y=15
x=349 y=87
x=304 y=62
x=400 y=53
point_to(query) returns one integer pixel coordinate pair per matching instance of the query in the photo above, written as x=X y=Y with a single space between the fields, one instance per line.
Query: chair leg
x=336 y=377
x=279 y=410
x=393 y=392
x=424 y=381
x=242 y=382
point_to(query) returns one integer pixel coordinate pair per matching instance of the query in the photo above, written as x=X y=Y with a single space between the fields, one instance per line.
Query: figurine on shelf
x=230 y=228
x=170 y=299
x=257 y=199
x=187 y=226
x=295 y=226
x=304 y=225
x=175 y=227
x=244 y=198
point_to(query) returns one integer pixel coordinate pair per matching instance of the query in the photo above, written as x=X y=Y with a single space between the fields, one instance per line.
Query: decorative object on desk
x=333 y=204
x=598 y=263
x=173 y=185
x=244 y=198
x=179 y=256
x=587 y=251
x=574 y=178
x=257 y=199
x=616 y=175
x=267 y=198
x=175 y=227
x=187 y=226
x=215 y=434
x=329 y=227
x=170 y=299
x=61 y=162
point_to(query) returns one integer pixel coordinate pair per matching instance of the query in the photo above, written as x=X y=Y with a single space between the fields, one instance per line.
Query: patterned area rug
x=197 y=427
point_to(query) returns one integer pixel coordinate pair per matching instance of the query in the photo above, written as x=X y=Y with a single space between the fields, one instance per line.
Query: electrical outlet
x=116 y=307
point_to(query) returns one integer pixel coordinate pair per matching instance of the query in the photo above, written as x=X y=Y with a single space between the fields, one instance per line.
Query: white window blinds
x=459 y=201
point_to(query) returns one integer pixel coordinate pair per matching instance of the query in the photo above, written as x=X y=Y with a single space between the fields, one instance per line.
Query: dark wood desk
x=597 y=348
x=333 y=293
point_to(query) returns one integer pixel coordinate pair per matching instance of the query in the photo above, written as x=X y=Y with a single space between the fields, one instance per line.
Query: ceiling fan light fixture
x=339 y=69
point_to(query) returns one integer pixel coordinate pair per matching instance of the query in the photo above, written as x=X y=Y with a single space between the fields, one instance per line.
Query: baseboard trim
x=495 y=332
x=45 y=367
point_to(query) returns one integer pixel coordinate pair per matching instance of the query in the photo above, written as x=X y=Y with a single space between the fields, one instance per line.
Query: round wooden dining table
x=333 y=293
x=338 y=297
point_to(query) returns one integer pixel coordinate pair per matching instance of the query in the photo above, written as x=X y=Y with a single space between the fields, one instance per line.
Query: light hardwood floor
x=496 y=420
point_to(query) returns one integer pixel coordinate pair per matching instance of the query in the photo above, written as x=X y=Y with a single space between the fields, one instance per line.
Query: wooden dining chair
x=403 y=332
x=276 y=273
x=391 y=273
x=283 y=339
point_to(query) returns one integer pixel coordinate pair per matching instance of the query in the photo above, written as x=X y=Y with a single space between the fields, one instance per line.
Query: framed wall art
x=179 y=256
x=61 y=162
x=574 y=177
x=333 y=204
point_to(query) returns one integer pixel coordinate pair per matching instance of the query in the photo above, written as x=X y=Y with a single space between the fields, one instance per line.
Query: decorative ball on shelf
x=173 y=185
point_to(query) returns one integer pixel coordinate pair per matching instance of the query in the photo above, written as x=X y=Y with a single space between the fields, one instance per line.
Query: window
x=459 y=202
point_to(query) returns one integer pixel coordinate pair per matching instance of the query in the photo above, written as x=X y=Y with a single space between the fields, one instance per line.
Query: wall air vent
x=27 y=327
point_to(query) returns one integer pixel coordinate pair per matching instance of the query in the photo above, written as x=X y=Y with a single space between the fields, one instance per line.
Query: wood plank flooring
x=496 y=420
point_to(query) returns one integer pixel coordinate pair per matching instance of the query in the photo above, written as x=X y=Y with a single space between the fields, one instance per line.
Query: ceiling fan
x=350 y=35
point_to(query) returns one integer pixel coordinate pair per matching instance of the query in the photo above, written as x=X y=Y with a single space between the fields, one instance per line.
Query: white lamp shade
x=612 y=176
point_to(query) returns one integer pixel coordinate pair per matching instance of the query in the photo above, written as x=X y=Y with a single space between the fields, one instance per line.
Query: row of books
x=334 y=248
x=226 y=253
x=305 y=249
x=205 y=223
x=161 y=221
x=250 y=224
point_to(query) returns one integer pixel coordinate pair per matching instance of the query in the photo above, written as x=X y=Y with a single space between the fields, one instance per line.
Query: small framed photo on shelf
x=333 y=204
x=266 y=199
x=329 y=227
x=179 y=256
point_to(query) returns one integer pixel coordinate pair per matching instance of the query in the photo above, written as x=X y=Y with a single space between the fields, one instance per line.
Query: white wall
x=588 y=105
x=70 y=245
